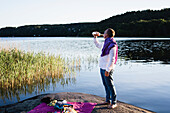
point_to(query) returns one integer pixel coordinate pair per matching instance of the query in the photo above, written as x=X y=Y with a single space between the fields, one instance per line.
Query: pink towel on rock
x=80 y=107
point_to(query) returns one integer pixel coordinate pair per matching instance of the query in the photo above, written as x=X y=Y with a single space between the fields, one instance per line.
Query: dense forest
x=147 y=23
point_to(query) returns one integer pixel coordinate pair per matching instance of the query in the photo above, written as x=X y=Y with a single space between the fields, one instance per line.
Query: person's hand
x=95 y=35
x=106 y=73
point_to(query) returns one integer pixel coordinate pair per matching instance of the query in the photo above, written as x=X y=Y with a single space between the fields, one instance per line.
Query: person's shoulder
x=113 y=48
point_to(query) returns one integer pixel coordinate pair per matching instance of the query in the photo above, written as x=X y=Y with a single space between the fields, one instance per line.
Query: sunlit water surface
x=143 y=83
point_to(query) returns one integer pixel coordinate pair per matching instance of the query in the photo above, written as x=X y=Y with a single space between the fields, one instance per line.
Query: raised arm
x=112 y=56
x=97 y=43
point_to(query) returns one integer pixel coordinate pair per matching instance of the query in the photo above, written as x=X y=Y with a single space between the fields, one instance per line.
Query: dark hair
x=110 y=32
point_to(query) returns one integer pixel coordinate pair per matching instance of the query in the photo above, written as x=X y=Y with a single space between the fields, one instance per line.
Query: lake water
x=141 y=77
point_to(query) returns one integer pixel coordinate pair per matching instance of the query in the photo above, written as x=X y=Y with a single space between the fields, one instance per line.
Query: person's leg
x=102 y=72
x=111 y=88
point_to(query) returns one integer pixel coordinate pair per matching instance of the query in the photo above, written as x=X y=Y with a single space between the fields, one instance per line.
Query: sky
x=15 y=13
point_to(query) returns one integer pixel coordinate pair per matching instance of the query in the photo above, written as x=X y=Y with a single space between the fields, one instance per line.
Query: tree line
x=147 y=23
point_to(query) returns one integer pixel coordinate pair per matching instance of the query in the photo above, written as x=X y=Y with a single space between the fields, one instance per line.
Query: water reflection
x=146 y=50
x=35 y=88
x=138 y=51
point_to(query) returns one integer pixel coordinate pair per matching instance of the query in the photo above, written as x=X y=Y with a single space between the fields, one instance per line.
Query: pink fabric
x=116 y=54
x=80 y=107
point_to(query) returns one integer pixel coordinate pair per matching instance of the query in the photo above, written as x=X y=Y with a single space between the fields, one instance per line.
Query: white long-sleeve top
x=106 y=62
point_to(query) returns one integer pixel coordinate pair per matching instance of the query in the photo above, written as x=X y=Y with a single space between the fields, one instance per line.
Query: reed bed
x=28 y=72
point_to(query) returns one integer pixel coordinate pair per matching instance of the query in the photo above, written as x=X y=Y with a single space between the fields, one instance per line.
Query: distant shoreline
x=146 y=23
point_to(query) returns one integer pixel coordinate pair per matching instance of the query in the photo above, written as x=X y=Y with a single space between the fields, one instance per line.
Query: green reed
x=19 y=69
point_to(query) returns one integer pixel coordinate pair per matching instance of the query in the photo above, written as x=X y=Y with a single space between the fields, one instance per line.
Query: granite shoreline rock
x=28 y=104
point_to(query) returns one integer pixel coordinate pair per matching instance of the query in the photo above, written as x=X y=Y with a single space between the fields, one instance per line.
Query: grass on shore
x=18 y=68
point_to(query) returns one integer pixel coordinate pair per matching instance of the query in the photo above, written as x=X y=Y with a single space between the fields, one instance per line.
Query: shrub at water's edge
x=27 y=72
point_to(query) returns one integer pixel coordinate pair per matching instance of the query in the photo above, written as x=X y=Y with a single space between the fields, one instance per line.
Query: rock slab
x=29 y=104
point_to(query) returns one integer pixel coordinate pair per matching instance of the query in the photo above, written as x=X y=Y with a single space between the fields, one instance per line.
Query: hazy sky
x=26 y=12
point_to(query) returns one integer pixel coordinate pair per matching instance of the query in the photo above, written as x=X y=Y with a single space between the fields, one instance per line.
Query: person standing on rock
x=107 y=63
